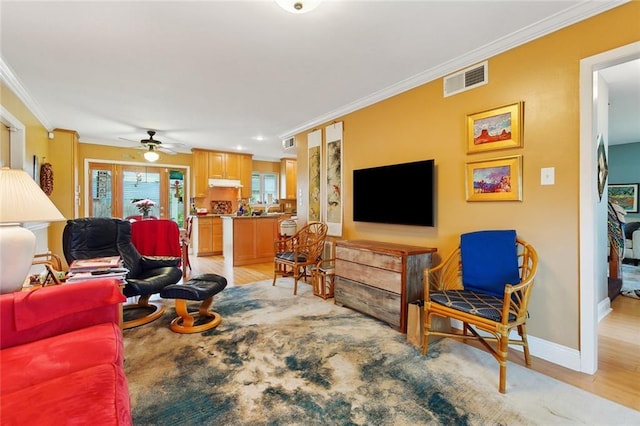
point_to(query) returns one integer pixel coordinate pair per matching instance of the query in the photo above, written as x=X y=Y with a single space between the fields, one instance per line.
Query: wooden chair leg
x=522 y=331
x=502 y=352
x=276 y=270
x=425 y=339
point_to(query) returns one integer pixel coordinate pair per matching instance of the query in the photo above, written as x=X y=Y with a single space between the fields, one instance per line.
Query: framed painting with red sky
x=498 y=128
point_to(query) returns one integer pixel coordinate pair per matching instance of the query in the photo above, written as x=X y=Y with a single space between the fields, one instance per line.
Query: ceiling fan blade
x=158 y=145
x=173 y=145
x=128 y=140
x=165 y=150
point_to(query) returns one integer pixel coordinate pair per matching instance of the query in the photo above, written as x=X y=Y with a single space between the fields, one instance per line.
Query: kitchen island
x=248 y=240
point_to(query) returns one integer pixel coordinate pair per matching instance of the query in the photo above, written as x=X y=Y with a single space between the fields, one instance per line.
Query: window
x=264 y=188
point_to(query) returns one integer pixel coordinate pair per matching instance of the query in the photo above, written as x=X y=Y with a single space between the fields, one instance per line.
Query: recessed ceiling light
x=298 y=6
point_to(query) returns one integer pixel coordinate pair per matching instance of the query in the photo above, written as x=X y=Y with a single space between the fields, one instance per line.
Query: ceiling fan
x=153 y=146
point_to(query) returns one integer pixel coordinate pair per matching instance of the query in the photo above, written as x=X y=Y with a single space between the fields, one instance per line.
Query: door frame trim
x=589 y=268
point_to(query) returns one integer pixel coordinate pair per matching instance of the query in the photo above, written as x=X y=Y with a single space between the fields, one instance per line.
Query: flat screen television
x=395 y=194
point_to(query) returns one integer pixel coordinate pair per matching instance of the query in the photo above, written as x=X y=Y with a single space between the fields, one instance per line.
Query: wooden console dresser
x=379 y=279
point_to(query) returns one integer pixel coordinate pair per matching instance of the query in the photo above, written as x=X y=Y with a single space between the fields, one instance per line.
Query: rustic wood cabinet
x=380 y=279
x=288 y=178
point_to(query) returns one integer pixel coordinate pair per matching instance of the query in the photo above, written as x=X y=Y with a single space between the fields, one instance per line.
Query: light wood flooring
x=618 y=375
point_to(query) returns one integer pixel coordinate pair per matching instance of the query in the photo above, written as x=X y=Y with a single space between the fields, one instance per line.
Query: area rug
x=630 y=281
x=279 y=359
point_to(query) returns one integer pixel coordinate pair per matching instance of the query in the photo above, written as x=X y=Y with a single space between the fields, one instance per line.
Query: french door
x=115 y=188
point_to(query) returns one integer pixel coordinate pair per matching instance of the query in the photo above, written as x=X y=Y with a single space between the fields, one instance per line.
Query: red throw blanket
x=156 y=237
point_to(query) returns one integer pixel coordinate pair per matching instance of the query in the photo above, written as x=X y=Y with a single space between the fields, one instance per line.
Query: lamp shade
x=21 y=200
x=151 y=155
x=298 y=6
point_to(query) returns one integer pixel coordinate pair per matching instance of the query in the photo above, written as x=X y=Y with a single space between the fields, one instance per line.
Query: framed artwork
x=332 y=209
x=498 y=179
x=603 y=168
x=625 y=195
x=36 y=170
x=498 y=128
x=314 y=140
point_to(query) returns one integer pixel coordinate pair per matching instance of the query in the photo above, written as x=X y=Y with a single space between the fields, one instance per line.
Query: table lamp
x=21 y=200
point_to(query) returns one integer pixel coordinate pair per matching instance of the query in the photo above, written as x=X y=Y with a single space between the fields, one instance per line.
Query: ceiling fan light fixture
x=151 y=155
x=298 y=6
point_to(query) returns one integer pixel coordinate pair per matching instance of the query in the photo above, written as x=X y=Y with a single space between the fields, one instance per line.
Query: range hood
x=225 y=183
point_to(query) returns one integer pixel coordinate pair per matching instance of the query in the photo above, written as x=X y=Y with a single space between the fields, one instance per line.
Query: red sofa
x=61 y=356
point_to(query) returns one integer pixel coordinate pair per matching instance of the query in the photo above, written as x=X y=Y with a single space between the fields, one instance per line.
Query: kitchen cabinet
x=288 y=178
x=220 y=165
x=248 y=240
x=200 y=162
x=246 y=168
x=224 y=165
x=380 y=279
x=207 y=235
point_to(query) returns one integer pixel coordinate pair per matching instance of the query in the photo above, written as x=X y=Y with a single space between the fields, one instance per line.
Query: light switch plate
x=547 y=175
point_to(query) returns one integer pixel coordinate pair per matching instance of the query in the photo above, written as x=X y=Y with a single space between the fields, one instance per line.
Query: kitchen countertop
x=267 y=216
x=234 y=216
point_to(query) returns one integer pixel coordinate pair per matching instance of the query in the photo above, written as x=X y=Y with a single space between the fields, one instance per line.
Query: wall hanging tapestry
x=314 y=141
x=333 y=179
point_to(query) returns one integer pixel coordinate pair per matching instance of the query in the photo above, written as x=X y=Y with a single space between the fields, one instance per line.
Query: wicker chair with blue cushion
x=486 y=284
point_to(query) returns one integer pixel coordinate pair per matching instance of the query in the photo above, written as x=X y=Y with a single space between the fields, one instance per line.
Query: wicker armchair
x=53 y=265
x=495 y=309
x=294 y=254
x=324 y=271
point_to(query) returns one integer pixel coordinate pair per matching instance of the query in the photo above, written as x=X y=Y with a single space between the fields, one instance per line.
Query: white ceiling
x=223 y=74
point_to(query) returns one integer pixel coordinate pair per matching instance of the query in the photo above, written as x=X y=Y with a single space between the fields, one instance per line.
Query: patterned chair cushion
x=479 y=304
x=289 y=257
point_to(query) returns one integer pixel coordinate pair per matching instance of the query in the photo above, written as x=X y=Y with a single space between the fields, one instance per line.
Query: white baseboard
x=604 y=308
x=549 y=351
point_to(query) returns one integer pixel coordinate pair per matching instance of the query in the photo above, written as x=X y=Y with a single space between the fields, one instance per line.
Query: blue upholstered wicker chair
x=485 y=284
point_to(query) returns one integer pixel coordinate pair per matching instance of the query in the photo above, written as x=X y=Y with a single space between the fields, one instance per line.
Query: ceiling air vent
x=474 y=76
x=289 y=143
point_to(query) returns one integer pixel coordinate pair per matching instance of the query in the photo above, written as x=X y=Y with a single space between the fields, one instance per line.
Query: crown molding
x=8 y=77
x=560 y=20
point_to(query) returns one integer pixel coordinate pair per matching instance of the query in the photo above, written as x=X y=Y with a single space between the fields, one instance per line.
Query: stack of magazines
x=101 y=267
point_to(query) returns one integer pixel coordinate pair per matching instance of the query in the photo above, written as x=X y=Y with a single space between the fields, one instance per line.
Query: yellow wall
x=88 y=151
x=422 y=124
x=105 y=152
x=35 y=133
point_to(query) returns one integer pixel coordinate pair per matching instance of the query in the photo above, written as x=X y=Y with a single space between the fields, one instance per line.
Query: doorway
x=592 y=215
x=116 y=188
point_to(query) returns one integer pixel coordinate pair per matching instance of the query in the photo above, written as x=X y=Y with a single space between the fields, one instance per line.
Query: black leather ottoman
x=202 y=288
